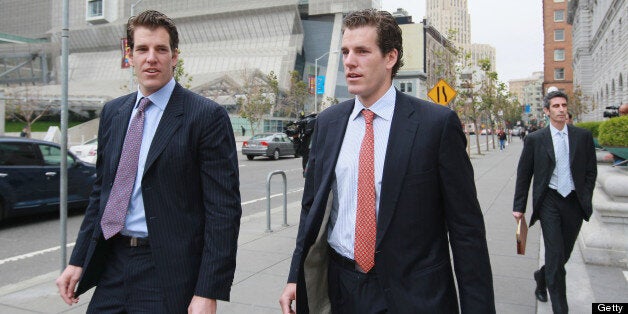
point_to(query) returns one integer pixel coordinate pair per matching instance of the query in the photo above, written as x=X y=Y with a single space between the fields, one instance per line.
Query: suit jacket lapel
x=334 y=135
x=402 y=133
x=548 y=144
x=169 y=123
x=119 y=126
x=572 y=143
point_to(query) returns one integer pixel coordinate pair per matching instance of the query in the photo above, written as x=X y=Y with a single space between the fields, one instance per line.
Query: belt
x=561 y=196
x=132 y=241
x=346 y=263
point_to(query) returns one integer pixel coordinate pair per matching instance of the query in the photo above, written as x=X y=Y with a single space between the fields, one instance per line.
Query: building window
x=559 y=16
x=559 y=74
x=94 y=8
x=559 y=55
x=405 y=87
x=559 y=35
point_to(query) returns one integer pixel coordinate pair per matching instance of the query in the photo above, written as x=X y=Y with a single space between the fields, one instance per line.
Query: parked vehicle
x=469 y=128
x=515 y=131
x=272 y=145
x=486 y=131
x=86 y=151
x=30 y=174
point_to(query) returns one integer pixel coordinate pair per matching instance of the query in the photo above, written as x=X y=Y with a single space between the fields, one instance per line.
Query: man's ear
x=175 y=57
x=391 y=58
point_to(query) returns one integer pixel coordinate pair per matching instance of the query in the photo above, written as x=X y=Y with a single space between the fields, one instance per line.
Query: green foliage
x=614 y=132
x=257 y=96
x=579 y=102
x=180 y=75
x=294 y=100
x=592 y=126
x=39 y=126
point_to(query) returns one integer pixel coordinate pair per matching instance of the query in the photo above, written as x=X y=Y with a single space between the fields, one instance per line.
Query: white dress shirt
x=341 y=236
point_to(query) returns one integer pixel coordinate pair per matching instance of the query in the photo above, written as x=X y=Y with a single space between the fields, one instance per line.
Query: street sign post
x=442 y=93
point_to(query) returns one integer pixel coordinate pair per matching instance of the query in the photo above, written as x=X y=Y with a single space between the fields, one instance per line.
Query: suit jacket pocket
x=420 y=177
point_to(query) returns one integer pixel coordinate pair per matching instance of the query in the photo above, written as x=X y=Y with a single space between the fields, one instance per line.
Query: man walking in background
x=561 y=158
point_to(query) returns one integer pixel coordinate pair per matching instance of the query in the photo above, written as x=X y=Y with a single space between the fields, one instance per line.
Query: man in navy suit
x=422 y=194
x=176 y=250
x=561 y=158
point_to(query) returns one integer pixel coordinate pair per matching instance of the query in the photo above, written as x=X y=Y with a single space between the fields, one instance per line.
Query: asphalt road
x=29 y=246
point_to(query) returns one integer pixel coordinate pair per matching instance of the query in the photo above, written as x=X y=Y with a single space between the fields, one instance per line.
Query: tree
x=579 y=103
x=255 y=98
x=488 y=93
x=329 y=101
x=294 y=100
x=180 y=75
x=468 y=99
x=24 y=106
x=273 y=89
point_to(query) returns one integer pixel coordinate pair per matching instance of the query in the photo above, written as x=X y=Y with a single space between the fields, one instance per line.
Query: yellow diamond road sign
x=442 y=93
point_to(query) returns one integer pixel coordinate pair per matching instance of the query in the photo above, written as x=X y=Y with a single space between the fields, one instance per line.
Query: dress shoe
x=541 y=289
x=540 y=295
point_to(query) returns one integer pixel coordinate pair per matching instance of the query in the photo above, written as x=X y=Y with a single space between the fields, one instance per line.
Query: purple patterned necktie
x=115 y=212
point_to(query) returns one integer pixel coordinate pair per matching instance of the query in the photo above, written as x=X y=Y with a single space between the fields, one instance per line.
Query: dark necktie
x=366 y=217
x=115 y=212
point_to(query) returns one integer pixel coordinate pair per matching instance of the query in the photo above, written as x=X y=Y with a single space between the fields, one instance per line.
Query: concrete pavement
x=263 y=258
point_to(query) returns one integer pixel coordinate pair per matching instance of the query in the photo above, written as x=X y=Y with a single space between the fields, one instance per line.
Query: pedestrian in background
x=389 y=187
x=501 y=135
x=562 y=160
x=160 y=232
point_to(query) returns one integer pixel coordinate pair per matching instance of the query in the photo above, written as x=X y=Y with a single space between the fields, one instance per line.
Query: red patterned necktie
x=115 y=212
x=366 y=217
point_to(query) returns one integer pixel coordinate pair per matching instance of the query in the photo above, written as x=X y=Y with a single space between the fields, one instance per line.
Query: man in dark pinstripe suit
x=176 y=249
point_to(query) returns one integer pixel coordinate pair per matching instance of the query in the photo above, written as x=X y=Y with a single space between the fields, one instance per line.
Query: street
x=29 y=246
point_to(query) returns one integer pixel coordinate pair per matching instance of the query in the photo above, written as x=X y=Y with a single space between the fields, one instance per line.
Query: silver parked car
x=272 y=145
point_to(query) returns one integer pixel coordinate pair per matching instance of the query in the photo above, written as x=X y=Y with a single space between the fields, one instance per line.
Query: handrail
x=285 y=199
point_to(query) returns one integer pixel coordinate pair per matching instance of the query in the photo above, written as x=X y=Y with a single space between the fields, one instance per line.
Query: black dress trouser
x=561 y=219
x=352 y=291
x=129 y=282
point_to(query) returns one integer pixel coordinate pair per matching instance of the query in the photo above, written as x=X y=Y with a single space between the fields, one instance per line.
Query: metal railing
x=285 y=199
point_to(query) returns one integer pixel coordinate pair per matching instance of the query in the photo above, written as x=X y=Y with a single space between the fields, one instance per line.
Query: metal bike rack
x=285 y=199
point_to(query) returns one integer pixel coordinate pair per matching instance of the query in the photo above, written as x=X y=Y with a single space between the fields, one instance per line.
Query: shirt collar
x=383 y=107
x=159 y=98
x=556 y=131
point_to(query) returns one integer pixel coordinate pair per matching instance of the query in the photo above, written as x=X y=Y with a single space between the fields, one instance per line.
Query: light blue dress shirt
x=341 y=236
x=555 y=138
x=135 y=225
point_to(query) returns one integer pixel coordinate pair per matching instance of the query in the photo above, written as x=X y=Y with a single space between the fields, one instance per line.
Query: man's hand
x=517 y=215
x=66 y=283
x=289 y=294
x=200 y=305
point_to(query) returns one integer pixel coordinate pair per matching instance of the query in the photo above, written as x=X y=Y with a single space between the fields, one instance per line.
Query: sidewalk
x=263 y=258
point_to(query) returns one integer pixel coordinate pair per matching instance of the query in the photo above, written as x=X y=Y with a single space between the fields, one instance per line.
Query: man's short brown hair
x=388 y=31
x=152 y=19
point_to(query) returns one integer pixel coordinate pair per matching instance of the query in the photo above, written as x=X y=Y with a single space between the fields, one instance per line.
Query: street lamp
x=316 y=78
x=133 y=5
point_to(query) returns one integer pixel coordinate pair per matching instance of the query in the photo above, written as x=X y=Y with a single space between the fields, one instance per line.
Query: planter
x=621 y=152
